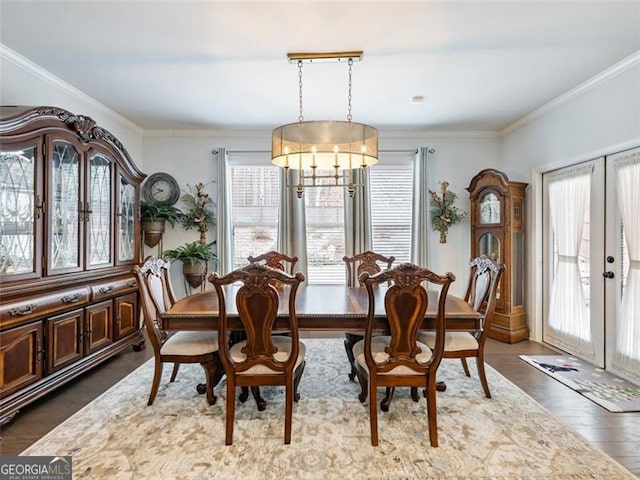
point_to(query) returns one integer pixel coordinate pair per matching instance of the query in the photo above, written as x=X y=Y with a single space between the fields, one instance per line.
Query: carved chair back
x=258 y=302
x=405 y=303
x=365 y=262
x=156 y=295
x=276 y=260
x=482 y=289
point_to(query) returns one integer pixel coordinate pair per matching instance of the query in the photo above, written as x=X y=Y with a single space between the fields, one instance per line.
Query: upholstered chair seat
x=453 y=341
x=283 y=344
x=380 y=357
x=190 y=343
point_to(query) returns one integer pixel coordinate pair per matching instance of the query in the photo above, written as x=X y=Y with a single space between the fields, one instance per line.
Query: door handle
x=608 y=274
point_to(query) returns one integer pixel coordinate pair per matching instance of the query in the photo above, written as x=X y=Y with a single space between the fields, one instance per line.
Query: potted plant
x=443 y=213
x=195 y=257
x=199 y=212
x=153 y=216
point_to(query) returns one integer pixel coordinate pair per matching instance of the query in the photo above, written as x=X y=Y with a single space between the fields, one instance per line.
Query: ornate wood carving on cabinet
x=498 y=230
x=69 y=238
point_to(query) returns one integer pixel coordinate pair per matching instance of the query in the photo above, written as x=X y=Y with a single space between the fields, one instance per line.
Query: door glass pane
x=490 y=246
x=17 y=191
x=126 y=221
x=64 y=219
x=99 y=198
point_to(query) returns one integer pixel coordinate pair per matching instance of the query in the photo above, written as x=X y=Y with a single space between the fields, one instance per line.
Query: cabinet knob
x=608 y=274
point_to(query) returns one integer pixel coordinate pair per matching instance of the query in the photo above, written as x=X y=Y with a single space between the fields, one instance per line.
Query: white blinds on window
x=255 y=194
x=391 y=203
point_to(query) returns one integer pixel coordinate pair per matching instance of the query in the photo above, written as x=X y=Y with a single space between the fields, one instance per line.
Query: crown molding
x=257 y=133
x=616 y=69
x=24 y=63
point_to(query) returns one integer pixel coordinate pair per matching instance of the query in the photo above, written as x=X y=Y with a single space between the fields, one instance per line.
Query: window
x=391 y=194
x=255 y=194
x=325 y=234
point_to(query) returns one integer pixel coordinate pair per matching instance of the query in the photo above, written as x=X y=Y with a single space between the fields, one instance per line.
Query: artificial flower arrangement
x=444 y=213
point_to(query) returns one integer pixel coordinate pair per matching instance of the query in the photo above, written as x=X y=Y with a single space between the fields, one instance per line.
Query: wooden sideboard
x=69 y=238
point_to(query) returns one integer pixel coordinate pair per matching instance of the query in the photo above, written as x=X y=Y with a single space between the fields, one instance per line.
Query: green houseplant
x=153 y=217
x=195 y=257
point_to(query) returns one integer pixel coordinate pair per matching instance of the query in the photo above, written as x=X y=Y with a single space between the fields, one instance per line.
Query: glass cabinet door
x=126 y=221
x=20 y=207
x=98 y=213
x=64 y=214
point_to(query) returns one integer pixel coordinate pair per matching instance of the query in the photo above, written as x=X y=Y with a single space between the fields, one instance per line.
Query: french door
x=591 y=261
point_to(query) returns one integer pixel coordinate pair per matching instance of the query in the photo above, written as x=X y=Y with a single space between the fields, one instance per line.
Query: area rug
x=611 y=392
x=510 y=436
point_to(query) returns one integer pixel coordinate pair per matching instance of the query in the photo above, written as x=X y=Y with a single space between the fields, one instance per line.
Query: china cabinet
x=69 y=238
x=498 y=230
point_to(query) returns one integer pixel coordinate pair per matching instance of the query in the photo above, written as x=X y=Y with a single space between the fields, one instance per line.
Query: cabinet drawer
x=17 y=312
x=114 y=287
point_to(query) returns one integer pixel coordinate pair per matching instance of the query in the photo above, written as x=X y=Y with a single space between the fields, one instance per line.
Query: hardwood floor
x=617 y=434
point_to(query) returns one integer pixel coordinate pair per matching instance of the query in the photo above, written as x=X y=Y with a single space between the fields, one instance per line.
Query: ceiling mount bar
x=324 y=57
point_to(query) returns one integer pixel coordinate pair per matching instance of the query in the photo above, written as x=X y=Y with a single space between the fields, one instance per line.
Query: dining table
x=319 y=307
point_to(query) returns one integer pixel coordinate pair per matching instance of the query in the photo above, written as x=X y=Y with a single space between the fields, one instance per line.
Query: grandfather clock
x=497 y=230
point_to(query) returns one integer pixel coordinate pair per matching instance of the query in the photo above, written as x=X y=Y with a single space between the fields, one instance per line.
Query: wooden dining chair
x=481 y=294
x=399 y=359
x=263 y=358
x=182 y=347
x=372 y=263
x=277 y=260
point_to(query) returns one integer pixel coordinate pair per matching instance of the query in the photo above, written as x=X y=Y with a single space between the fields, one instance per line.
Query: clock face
x=161 y=187
x=490 y=209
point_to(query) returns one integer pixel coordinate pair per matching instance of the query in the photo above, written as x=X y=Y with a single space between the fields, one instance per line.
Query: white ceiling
x=215 y=65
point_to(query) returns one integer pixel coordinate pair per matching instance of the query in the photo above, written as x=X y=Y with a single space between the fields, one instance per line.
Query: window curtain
x=568 y=319
x=420 y=221
x=357 y=218
x=292 y=236
x=626 y=357
x=224 y=241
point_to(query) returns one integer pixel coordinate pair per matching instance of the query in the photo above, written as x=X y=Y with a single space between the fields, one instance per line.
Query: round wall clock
x=161 y=187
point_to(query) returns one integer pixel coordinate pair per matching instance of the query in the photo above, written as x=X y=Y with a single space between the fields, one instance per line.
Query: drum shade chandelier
x=330 y=150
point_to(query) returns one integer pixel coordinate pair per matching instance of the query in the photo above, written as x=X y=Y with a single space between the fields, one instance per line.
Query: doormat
x=611 y=392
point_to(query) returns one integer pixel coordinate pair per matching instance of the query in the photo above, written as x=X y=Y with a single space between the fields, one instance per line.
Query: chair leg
x=231 y=405
x=244 y=394
x=363 y=387
x=288 y=410
x=432 y=410
x=386 y=401
x=349 y=341
x=373 y=411
x=415 y=396
x=174 y=373
x=296 y=381
x=482 y=375
x=210 y=370
x=465 y=367
x=155 y=384
x=261 y=403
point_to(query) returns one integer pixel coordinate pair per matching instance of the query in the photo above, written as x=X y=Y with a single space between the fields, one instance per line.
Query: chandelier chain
x=300 y=116
x=349 y=97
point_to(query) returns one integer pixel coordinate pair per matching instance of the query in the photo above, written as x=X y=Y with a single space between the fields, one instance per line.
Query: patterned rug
x=511 y=436
x=611 y=392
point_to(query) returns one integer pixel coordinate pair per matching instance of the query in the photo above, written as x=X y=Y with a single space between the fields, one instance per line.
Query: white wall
x=601 y=117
